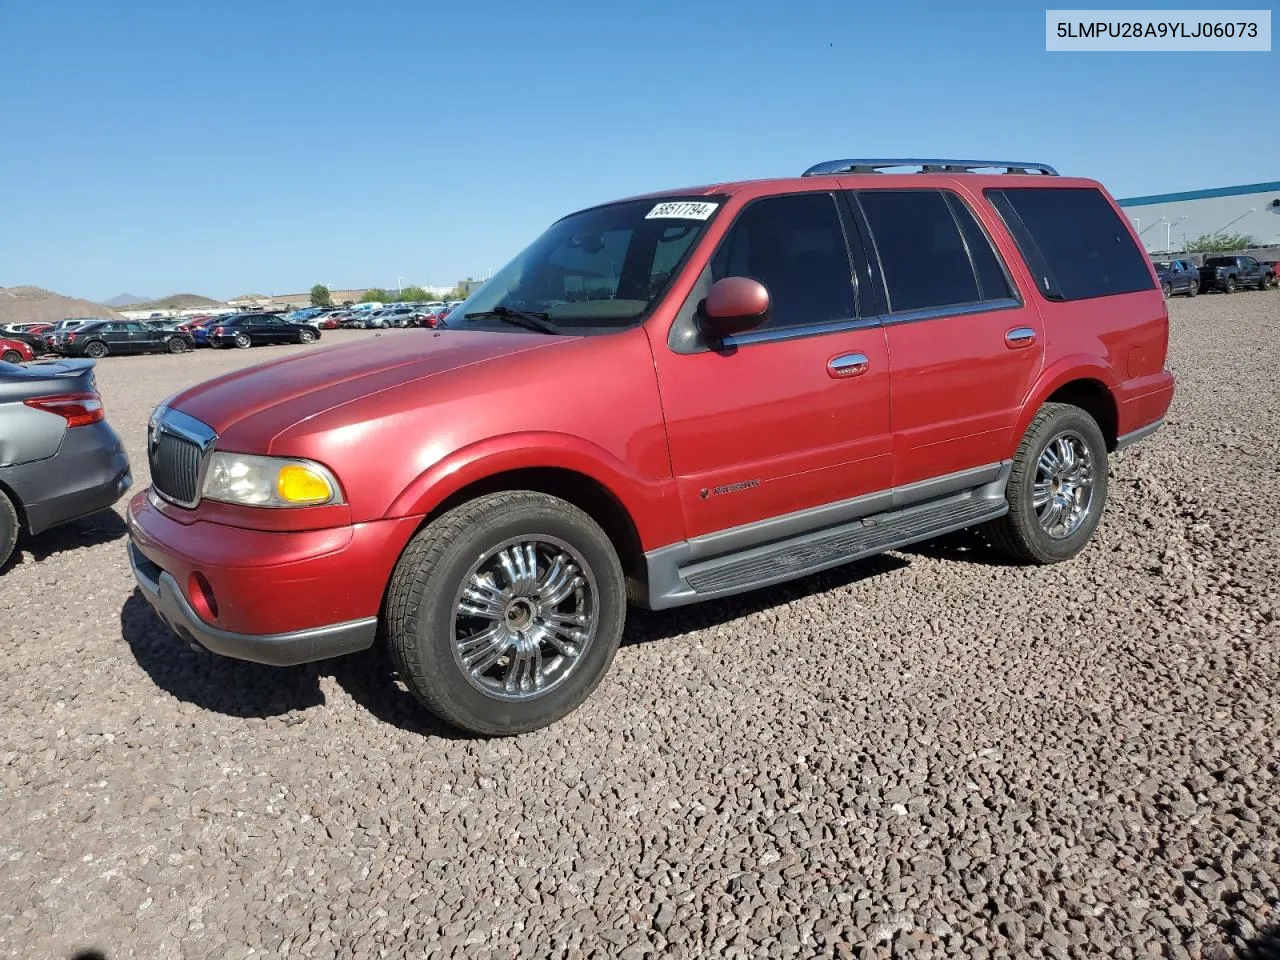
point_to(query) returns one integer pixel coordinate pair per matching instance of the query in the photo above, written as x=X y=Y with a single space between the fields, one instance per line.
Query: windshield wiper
x=529 y=319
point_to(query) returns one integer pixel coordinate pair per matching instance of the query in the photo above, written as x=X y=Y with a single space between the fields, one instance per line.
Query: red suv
x=661 y=400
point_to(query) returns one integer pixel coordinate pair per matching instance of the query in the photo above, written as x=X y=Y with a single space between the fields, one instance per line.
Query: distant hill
x=124 y=300
x=251 y=296
x=177 y=301
x=37 y=305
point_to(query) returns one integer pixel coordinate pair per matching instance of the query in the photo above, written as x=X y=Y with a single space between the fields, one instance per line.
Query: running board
x=821 y=549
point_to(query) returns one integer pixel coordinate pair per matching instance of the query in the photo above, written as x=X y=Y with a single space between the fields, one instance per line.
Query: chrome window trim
x=778 y=334
x=178 y=424
x=954 y=310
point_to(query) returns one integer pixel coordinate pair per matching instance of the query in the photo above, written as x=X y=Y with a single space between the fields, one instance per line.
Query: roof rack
x=928 y=166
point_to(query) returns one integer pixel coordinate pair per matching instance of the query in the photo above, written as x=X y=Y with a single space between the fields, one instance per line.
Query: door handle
x=847 y=365
x=1020 y=337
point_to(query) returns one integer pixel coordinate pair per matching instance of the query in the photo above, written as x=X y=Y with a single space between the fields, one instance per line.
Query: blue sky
x=232 y=147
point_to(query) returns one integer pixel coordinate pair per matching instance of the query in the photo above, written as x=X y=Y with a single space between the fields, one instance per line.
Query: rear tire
x=12 y=356
x=8 y=528
x=243 y=342
x=1027 y=532
x=430 y=633
x=97 y=350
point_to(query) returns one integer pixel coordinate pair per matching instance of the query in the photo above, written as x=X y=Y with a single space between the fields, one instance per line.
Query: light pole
x=1168 y=233
x=399 y=284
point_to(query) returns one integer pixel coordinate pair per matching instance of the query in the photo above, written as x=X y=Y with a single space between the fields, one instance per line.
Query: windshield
x=595 y=271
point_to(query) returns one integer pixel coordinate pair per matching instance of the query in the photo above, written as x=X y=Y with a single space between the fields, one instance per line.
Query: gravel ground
x=939 y=754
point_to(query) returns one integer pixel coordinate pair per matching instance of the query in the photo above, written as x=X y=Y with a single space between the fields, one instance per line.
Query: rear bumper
x=1141 y=407
x=89 y=473
x=276 y=649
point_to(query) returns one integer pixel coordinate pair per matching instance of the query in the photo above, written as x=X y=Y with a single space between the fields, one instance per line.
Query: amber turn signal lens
x=298 y=484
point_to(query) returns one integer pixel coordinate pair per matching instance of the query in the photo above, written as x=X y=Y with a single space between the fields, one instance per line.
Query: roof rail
x=928 y=166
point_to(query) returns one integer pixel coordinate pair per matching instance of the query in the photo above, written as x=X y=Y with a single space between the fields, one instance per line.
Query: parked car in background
x=15 y=351
x=97 y=340
x=714 y=419
x=255 y=329
x=59 y=459
x=1229 y=274
x=1178 y=276
x=32 y=334
x=62 y=326
x=1273 y=272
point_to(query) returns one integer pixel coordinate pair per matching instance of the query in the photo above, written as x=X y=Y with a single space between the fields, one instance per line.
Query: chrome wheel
x=524 y=617
x=1063 y=491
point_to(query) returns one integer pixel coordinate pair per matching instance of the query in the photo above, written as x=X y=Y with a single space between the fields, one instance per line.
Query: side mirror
x=734 y=305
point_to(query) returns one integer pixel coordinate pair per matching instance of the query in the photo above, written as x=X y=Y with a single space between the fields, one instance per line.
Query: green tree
x=413 y=293
x=377 y=295
x=1216 y=242
x=320 y=296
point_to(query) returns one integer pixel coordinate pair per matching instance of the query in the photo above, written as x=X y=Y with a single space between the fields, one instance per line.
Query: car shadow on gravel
x=964 y=546
x=238 y=688
x=103 y=527
x=645 y=626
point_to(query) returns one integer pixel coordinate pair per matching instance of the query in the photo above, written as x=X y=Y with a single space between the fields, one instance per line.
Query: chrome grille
x=177 y=446
x=175 y=467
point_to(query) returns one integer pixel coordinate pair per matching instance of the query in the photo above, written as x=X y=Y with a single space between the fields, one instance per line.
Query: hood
x=307 y=384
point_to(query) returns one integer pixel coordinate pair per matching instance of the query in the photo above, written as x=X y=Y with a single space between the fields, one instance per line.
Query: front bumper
x=276 y=649
x=276 y=597
x=89 y=473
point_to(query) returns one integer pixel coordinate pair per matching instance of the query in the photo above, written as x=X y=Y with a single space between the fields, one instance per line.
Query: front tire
x=8 y=528
x=306 y=336
x=1193 y=289
x=177 y=345
x=242 y=341
x=1057 y=489
x=1230 y=285
x=504 y=614
x=1167 y=289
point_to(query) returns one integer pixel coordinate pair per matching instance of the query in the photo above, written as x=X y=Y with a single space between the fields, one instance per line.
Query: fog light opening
x=200 y=593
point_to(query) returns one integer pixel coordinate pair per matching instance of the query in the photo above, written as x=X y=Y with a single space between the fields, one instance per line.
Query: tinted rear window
x=1073 y=240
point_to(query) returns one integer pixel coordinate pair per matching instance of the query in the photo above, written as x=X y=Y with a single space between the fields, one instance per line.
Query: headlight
x=269 y=481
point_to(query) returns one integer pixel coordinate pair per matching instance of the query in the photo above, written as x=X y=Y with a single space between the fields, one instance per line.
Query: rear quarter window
x=1073 y=240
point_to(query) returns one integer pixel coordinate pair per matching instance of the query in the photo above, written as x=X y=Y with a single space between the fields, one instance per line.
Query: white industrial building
x=1167 y=222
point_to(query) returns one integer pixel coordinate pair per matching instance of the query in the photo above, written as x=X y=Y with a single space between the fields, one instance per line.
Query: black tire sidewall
x=177 y=345
x=306 y=336
x=96 y=350
x=1167 y=289
x=12 y=356
x=450 y=686
x=242 y=341
x=8 y=528
x=1021 y=499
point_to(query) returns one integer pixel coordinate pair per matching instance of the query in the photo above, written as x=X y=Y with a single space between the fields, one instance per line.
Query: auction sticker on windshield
x=682 y=210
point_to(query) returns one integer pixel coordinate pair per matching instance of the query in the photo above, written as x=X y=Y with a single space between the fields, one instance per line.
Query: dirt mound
x=178 y=301
x=37 y=305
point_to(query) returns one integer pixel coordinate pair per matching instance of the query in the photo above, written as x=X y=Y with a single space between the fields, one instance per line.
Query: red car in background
x=16 y=351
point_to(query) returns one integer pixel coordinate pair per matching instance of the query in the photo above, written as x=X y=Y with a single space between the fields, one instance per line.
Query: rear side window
x=922 y=254
x=1073 y=240
x=992 y=278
